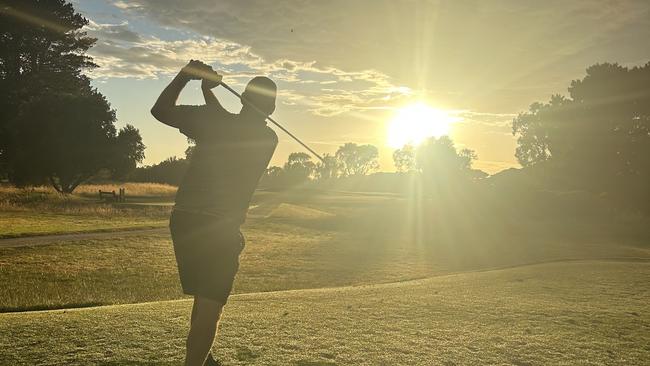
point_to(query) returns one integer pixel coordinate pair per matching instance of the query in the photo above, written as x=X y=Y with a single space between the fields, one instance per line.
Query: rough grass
x=278 y=256
x=296 y=242
x=131 y=189
x=281 y=254
x=41 y=210
x=16 y=224
x=577 y=313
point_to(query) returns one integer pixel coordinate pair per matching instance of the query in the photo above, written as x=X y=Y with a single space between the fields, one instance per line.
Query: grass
x=139 y=268
x=131 y=189
x=590 y=308
x=576 y=313
x=289 y=246
x=91 y=190
x=41 y=211
x=17 y=224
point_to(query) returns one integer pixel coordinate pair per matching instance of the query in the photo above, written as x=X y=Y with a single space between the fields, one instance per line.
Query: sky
x=345 y=68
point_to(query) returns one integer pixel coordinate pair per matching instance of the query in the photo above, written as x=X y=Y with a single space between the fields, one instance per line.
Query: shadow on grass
x=314 y=363
x=135 y=363
x=20 y=309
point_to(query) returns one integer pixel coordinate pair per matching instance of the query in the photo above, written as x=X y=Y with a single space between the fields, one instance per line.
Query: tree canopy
x=438 y=159
x=357 y=159
x=64 y=139
x=54 y=127
x=597 y=134
x=404 y=159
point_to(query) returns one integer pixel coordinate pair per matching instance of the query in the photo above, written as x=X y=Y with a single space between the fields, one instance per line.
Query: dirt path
x=52 y=239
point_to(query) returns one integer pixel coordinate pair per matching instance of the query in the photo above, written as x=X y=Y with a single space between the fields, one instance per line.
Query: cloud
x=119 y=32
x=505 y=50
x=122 y=53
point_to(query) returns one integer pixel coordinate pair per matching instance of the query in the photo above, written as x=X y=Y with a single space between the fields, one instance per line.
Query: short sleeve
x=192 y=120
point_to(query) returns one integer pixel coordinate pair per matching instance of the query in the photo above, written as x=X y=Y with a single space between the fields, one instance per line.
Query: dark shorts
x=207 y=253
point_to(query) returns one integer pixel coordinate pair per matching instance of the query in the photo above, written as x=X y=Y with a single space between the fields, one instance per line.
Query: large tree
x=298 y=168
x=599 y=135
x=439 y=160
x=329 y=168
x=54 y=126
x=404 y=159
x=357 y=159
x=42 y=51
x=64 y=139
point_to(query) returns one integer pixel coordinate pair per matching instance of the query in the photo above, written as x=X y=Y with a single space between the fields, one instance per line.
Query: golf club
x=273 y=121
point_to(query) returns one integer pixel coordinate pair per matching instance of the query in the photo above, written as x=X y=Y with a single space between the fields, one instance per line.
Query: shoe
x=210 y=361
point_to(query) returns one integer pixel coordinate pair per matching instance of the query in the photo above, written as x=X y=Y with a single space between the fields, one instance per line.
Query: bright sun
x=414 y=123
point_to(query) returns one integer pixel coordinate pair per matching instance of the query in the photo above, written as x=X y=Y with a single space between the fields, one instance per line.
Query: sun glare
x=412 y=124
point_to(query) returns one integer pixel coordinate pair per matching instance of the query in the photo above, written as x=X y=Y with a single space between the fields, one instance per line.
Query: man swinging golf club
x=231 y=154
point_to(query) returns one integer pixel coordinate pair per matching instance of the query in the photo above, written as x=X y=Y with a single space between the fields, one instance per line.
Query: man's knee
x=207 y=311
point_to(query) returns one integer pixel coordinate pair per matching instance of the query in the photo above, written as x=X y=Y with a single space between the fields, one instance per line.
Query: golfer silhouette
x=232 y=152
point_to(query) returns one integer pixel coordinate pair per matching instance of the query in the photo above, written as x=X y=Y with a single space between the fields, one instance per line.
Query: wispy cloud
x=325 y=91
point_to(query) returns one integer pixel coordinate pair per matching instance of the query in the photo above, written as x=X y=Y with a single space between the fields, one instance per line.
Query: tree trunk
x=56 y=186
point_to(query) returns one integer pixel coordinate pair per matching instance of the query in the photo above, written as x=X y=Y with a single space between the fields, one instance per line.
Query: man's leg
x=203 y=328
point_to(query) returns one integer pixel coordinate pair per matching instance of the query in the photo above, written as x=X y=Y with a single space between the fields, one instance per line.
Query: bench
x=111 y=196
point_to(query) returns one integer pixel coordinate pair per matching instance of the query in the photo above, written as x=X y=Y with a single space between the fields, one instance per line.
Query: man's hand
x=197 y=70
x=211 y=81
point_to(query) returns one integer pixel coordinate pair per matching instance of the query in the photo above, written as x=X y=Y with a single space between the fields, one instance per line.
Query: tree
x=169 y=171
x=438 y=160
x=329 y=168
x=42 y=51
x=54 y=127
x=128 y=151
x=298 y=168
x=357 y=159
x=64 y=139
x=598 y=136
x=404 y=159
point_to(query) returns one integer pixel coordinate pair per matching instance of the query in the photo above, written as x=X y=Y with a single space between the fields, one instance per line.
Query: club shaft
x=274 y=122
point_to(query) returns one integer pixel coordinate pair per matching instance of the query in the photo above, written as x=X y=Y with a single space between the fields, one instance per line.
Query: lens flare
x=414 y=123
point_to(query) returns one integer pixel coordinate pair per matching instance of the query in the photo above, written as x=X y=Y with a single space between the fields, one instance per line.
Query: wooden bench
x=111 y=196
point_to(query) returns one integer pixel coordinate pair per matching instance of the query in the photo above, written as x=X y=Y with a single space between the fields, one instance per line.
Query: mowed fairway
x=336 y=278
x=571 y=313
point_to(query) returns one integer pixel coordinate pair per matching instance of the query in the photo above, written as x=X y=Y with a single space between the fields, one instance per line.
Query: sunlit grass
x=42 y=210
x=553 y=314
x=307 y=241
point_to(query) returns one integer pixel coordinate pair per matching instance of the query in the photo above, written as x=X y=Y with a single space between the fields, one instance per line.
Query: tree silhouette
x=357 y=159
x=329 y=168
x=404 y=159
x=298 y=168
x=598 y=136
x=170 y=171
x=438 y=160
x=42 y=51
x=128 y=151
x=54 y=127
x=64 y=139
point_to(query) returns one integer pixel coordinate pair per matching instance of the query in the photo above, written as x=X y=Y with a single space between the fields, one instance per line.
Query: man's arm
x=165 y=109
x=209 y=83
x=210 y=99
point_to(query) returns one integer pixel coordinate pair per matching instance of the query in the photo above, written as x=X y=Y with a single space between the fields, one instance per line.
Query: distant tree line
x=436 y=160
x=169 y=171
x=349 y=160
x=55 y=128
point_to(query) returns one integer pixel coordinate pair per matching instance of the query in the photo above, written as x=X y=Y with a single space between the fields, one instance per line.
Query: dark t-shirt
x=230 y=156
